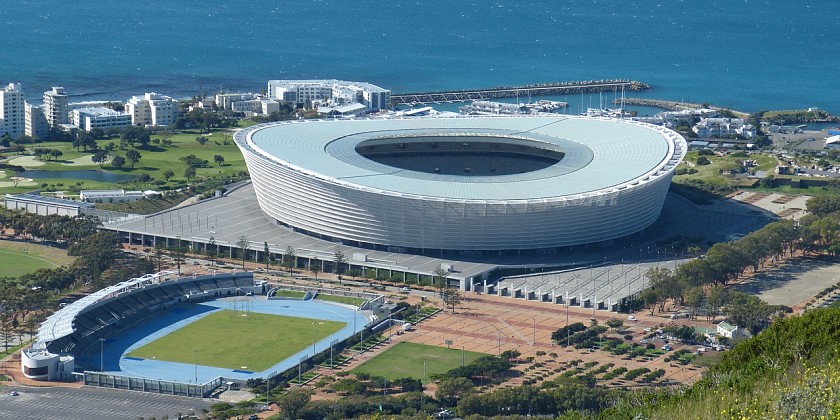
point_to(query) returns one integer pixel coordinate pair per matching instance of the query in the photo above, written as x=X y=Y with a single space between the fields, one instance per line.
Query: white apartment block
x=12 y=110
x=56 y=107
x=99 y=117
x=226 y=100
x=722 y=127
x=329 y=92
x=256 y=106
x=35 y=122
x=152 y=110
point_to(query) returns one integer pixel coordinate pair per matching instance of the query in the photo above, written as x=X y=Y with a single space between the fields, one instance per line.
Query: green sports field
x=227 y=339
x=405 y=360
x=18 y=258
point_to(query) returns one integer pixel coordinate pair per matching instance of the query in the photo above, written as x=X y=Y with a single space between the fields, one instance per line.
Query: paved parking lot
x=92 y=404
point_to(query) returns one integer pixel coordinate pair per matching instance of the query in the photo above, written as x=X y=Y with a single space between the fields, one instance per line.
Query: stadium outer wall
x=333 y=208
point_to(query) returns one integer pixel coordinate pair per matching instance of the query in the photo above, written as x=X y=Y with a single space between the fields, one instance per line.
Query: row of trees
x=25 y=300
x=699 y=283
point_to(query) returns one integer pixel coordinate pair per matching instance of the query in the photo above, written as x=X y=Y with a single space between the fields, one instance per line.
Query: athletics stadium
x=190 y=335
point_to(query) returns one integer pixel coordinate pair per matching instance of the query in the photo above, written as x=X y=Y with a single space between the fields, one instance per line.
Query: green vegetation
x=18 y=258
x=238 y=340
x=348 y=300
x=294 y=294
x=794 y=116
x=405 y=360
x=148 y=160
x=149 y=205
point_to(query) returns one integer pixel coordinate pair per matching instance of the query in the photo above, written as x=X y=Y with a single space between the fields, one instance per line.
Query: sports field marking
x=405 y=360
x=238 y=340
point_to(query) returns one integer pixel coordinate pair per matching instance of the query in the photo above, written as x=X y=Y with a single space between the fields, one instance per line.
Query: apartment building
x=152 y=110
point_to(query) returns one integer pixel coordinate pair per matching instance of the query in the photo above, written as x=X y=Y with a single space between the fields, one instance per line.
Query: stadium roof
x=602 y=155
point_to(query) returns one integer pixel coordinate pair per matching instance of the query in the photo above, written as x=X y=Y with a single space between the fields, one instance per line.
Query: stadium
x=462 y=184
x=189 y=335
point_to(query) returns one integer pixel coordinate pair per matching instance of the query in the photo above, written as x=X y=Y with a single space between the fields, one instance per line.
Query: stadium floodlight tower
x=463 y=184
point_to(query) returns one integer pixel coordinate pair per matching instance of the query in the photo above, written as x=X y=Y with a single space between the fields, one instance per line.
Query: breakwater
x=541 y=89
x=676 y=105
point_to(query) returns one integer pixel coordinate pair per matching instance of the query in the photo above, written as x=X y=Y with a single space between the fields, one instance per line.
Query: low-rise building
x=89 y=118
x=111 y=196
x=38 y=204
x=329 y=92
x=722 y=127
x=348 y=110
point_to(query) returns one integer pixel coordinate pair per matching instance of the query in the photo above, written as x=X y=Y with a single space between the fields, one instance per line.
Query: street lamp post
x=195 y=362
x=178 y=253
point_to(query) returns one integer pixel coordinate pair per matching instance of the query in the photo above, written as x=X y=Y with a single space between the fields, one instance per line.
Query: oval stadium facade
x=463 y=183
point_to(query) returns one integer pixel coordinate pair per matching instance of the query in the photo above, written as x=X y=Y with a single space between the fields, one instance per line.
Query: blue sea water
x=745 y=54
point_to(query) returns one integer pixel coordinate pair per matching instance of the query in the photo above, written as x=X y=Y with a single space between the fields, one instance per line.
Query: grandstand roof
x=60 y=323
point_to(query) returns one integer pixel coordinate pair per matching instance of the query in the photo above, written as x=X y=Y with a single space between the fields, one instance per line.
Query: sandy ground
x=26 y=161
x=792 y=282
x=783 y=205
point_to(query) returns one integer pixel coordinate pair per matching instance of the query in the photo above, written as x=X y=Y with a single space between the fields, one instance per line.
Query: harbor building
x=11 y=110
x=56 y=107
x=99 y=117
x=35 y=122
x=329 y=92
x=152 y=110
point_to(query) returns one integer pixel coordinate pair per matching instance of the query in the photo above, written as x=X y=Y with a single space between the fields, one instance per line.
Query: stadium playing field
x=18 y=258
x=238 y=340
x=405 y=360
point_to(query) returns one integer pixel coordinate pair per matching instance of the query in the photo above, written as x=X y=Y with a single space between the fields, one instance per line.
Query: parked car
x=631 y=318
x=666 y=347
x=13 y=393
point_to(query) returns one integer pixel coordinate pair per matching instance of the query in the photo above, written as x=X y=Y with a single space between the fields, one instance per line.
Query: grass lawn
x=341 y=299
x=227 y=339
x=290 y=294
x=405 y=360
x=15 y=262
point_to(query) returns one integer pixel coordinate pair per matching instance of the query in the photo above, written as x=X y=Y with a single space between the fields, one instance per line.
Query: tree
x=189 y=172
x=55 y=153
x=266 y=255
x=243 y=243
x=339 y=260
x=100 y=158
x=168 y=173
x=292 y=402
x=452 y=297
x=88 y=142
x=694 y=299
x=219 y=159
x=615 y=324
x=441 y=274
x=201 y=140
x=451 y=390
x=118 y=162
x=132 y=156
x=315 y=268
x=289 y=259
x=211 y=250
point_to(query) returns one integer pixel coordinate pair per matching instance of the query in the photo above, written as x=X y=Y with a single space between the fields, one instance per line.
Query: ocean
x=743 y=54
